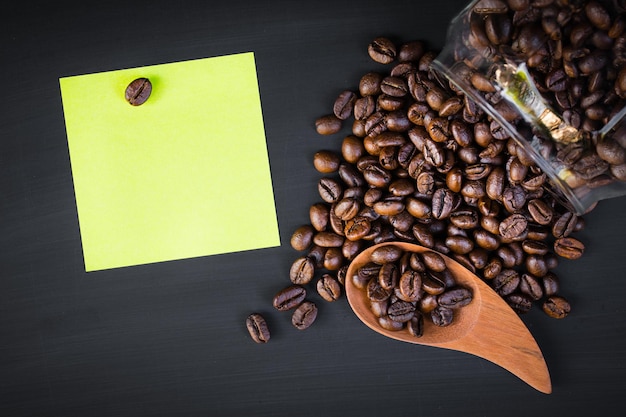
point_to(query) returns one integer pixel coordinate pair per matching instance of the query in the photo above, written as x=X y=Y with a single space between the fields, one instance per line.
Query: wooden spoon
x=487 y=327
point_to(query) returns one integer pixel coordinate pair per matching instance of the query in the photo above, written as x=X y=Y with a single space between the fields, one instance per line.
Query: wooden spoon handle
x=505 y=341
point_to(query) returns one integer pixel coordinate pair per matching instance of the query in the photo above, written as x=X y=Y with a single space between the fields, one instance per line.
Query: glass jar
x=551 y=74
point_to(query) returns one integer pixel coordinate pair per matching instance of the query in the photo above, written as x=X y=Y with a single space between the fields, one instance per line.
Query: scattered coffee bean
x=425 y=287
x=257 y=327
x=304 y=316
x=289 y=297
x=556 y=307
x=329 y=288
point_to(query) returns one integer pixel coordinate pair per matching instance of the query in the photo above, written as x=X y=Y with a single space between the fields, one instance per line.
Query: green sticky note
x=185 y=174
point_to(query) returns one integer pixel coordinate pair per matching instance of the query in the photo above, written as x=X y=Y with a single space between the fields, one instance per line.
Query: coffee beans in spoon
x=411 y=287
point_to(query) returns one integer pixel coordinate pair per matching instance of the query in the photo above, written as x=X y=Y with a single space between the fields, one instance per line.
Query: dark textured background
x=169 y=339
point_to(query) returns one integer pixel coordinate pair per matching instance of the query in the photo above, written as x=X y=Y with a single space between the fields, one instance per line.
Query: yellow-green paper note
x=184 y=175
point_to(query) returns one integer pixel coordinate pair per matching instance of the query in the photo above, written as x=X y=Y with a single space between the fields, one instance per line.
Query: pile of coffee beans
x=404 y=287
x=424 y=164
x=575 y=52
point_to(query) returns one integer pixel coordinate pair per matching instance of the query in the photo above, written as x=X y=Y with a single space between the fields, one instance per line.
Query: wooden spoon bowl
x=487 y=327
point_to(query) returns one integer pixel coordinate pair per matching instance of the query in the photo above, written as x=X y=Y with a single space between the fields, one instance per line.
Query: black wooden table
x=169 y=338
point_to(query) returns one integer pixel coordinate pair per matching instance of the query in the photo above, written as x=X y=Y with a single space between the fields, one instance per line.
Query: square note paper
x=185 y=174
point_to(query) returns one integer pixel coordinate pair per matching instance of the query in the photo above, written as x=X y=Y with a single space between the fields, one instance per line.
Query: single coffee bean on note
x=138 y=91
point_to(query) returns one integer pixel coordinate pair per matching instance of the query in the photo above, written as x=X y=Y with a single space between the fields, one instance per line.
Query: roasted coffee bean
x=520 y=303
x=364 y=107
x=556 y=307
x=411 y=51
x=389 y=207
x=439 y=129
x=326 y=161
x=455 y=298
x=365 y=274
x=350 y=176
x=564 y=225
x=432 y=284
x=379 y=308
x=507 y=255
x=344 y=104
x=302 y=237
x=388 y=276
x=394 y=86
x=257 y=327
x=387 y=323
x=459 y=244
x=316 y=254
x=375 y=292
x=346 y=208
x=138 y=91
x=319 y=216
x=486 y=240
x=351 y=248
x=506 y=282
x=443 y=202
x=530 y=285
x=460 y=131
x=493 y=268
x=442 y=316
x=540 y=211
x=410 y=286
x=328 y=239
x=304 y=316
x=550 y=284
x=357 y=228
x=514 y=227
x=369 y=85
x=611 y=151
x=328 y=125
x=496 y=183
x=333 y=259
x=536 y=232
x=534 y=247
x=434 y=153
x=328 y=288
x=330 y=189
x=569 y=247
x=335 y=223
x=302 y=270
x=377 y=176
x=352 y=148
x=433 y=261
x=386 y=254
x=425 y=183
x=416 y=324
x=382 y=50
x=401 y=311
x=557 y=80
x=514 y=198
x=491 y=224
x=464 y=219
x=423 y=235
x=598 y=15
x=536 y=265
x=289 y=297
x=473 y=189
